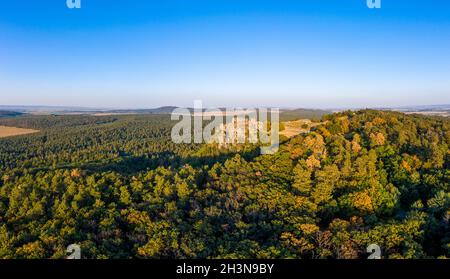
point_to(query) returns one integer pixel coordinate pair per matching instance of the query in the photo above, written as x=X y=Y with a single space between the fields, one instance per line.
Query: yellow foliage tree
x=377 y=139
x=363 y=202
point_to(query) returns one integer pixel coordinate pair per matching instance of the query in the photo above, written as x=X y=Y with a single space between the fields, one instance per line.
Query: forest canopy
x=118 y=187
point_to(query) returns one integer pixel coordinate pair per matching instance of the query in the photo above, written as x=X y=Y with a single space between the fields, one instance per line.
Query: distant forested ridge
x=55 y=121
x=7 y=113
x=295 y=114
x=119 y=187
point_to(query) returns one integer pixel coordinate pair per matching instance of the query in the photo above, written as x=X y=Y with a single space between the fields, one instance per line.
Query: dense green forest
x=119 y=187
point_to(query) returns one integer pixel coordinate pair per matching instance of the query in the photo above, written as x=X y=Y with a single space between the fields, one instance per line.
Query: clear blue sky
x=300 y=53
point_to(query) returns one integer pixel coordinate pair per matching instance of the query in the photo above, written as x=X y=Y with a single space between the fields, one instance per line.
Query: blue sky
x=302 y=53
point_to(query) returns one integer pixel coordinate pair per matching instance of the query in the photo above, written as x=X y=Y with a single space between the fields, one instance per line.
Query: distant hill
x=10 y=111
x=160 y=110
x=7 y=113
x=295 y=114
x=432 y=110
x=49 y=109
x=443 y=107
x=60 y=110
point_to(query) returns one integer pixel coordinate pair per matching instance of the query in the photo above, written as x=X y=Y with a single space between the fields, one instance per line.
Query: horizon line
x=93 y=108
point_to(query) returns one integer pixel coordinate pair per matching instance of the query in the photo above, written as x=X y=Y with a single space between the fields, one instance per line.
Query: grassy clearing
x=294 y=128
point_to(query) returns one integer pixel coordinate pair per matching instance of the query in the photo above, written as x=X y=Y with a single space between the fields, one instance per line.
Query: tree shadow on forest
x=129 y=165
x=132 y=165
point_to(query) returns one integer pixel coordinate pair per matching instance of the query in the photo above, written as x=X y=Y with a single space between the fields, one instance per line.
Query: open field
x=13 y=131
x=293 y=128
